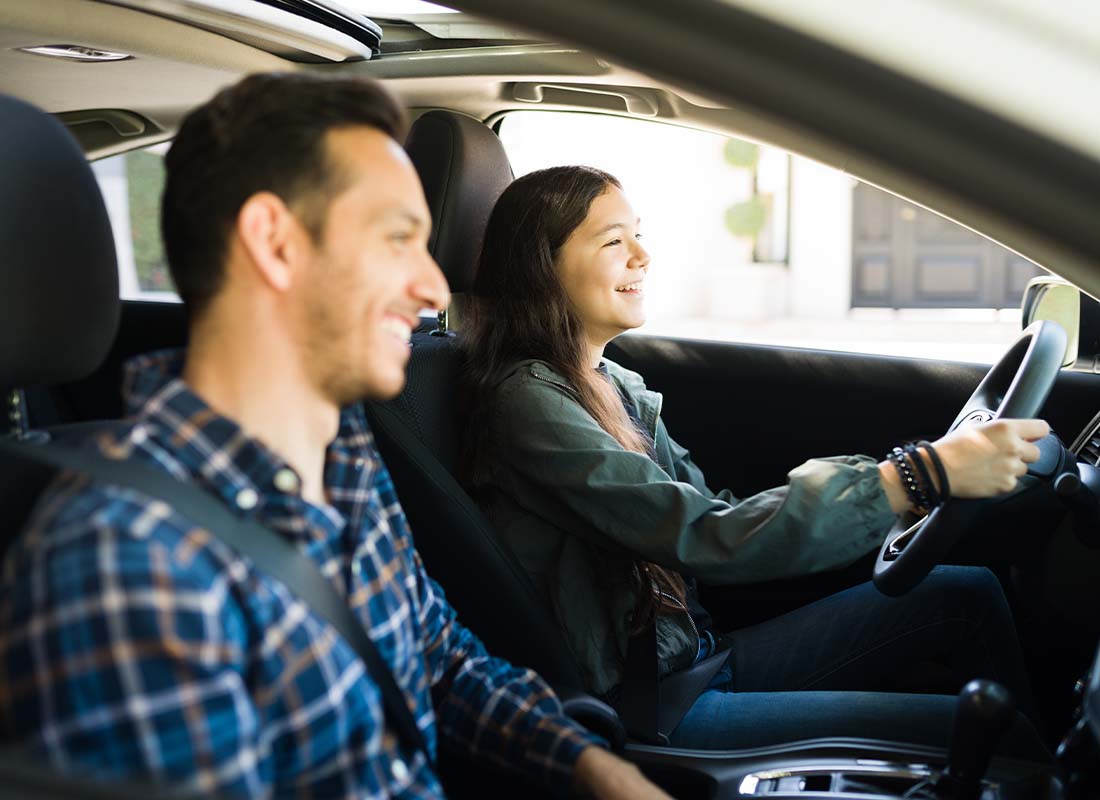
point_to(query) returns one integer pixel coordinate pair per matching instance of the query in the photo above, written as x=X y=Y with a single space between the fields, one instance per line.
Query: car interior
x=67 y=334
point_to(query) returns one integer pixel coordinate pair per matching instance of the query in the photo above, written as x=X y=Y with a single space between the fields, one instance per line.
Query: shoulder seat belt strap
x=270 y=552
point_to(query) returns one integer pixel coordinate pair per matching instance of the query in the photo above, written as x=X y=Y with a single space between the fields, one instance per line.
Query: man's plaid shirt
x=133 y=643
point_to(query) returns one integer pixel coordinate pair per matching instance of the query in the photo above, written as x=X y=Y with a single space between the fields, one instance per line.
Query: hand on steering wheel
x=985 y=459
x=1012 y=392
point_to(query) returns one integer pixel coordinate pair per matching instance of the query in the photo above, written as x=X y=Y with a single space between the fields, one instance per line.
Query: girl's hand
x=986 y=459
x=981 y=460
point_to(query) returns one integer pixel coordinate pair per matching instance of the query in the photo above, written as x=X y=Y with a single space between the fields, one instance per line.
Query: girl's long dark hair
x=519 y=310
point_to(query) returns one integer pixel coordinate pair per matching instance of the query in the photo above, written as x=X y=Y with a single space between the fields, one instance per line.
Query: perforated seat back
x=427 y=404
x=417 y=435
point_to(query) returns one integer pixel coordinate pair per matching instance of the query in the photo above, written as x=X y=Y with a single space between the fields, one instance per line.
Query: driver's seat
x=463 y=168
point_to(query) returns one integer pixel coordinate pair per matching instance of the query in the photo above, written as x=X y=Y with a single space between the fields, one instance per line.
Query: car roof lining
x=178 y=66
x=175 y=66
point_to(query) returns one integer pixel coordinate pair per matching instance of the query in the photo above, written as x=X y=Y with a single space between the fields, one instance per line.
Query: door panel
x=750 y=413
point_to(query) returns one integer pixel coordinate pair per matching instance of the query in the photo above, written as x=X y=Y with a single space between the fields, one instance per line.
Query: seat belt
x=272 y=553
x=651 y=707
x=640 y=696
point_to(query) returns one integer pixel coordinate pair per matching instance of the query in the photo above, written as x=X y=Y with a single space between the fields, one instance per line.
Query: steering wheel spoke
x=896 y=542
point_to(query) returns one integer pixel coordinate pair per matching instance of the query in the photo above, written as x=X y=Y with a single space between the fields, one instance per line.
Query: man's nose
x=431 y=287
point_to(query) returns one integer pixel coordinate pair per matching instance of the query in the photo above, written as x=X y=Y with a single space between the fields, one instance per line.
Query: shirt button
x=247 y=499
x=399 y=771
x=286 y=481
x=138 y=435
x=360 y=462
x=357 y=568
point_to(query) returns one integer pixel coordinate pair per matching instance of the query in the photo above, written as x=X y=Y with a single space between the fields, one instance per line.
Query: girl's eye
x=638 y=236
x=401 y=238
x=613 y=242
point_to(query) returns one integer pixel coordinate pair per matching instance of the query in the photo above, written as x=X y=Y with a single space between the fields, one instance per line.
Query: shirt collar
x=241 y=469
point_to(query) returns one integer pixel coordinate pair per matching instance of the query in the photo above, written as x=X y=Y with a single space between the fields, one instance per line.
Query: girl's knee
x=974 y=587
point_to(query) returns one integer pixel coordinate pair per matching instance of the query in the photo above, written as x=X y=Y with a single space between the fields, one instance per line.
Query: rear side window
x=131 y=184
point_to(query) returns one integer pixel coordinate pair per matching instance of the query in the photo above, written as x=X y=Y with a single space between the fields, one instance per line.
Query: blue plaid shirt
x=133 y=643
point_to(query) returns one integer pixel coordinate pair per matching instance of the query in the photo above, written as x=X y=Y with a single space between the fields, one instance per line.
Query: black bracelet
x=926 y=477
x=941 y=472
x=912 y=488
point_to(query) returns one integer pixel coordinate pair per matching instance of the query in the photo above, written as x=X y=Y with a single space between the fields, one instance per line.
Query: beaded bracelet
x=925 y=476
x=941 y=472
x=913 y=488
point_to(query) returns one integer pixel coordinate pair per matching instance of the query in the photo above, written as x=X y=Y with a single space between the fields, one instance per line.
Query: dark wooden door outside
x=906 y=257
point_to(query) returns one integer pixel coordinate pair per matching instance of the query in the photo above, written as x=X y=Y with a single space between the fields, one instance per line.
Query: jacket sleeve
x=556 y=460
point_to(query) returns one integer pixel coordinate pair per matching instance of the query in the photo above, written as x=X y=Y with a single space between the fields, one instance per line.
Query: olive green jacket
x=577 y=509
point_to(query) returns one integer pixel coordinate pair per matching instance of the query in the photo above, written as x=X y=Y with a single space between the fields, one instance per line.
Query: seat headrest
x=464 y=168
x=59 y=302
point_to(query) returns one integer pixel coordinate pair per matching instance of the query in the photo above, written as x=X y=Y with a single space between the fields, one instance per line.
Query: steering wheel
x=1014 y=388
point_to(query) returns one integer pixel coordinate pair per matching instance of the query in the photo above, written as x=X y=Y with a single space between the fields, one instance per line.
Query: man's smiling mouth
x=398 y=327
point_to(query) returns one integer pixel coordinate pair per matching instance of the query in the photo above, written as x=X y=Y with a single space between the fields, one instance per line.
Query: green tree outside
x=145 y=181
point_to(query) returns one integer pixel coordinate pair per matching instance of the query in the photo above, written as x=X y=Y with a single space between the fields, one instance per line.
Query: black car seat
x=59 y=304
x=463 y=167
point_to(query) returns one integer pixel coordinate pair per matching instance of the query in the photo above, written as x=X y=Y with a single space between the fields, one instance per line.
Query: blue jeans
x=849 y=664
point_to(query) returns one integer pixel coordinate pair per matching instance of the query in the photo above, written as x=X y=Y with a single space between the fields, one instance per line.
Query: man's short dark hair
x=265 y=133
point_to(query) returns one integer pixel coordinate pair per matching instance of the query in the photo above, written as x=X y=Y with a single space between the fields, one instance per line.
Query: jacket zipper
x=552 y=382
x=657 y=416
x=684 y=609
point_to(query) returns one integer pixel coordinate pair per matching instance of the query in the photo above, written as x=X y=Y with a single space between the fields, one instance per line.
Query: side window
x=131 y=184
x=752 y=244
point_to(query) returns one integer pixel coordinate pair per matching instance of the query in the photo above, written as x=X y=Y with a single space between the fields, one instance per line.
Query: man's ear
x=267 y=232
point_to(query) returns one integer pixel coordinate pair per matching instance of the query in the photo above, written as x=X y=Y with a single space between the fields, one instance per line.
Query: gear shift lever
x=984 y=712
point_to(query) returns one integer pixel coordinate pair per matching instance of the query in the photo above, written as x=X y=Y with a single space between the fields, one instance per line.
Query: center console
x=864 y=769
x=836 y=769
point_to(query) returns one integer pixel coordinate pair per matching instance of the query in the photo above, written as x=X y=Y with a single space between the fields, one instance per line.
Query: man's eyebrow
x=403 y=215
x=613 y=226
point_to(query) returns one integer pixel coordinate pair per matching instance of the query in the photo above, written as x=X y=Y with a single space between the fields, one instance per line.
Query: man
x=135 y=643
